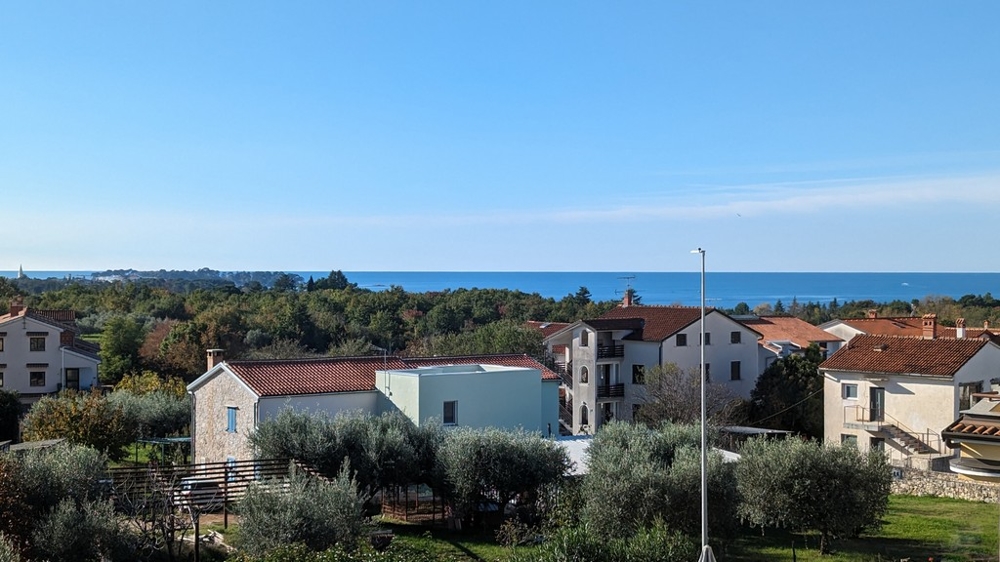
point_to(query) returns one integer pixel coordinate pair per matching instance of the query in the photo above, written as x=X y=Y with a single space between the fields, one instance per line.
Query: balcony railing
x=860 y=417
x=611 y=390
x=609 y=351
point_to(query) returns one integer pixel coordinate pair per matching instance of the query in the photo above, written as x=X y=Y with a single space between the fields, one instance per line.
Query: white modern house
x=603 y=361
x=232 y=397
x=896 y=393
x=41 y=353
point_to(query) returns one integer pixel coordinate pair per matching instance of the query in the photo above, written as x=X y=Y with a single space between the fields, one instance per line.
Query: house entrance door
x=877 y=404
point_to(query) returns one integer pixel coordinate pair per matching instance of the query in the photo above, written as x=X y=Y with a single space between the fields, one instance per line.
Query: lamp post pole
x=706 y=551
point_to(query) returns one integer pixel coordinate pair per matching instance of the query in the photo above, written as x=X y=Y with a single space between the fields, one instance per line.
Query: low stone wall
x=914 y=482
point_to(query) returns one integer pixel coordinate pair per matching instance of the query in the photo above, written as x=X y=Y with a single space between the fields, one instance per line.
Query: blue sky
x=500 y=136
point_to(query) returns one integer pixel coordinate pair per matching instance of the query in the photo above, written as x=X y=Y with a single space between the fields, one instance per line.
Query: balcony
x=610 y=351
x=611 y=390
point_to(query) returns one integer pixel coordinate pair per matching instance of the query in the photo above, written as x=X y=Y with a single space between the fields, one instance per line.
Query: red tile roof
x=660 y=322
x=788 y=328
x=547 y=328
x=904 y=355
x=352 y=374
x=911 y=326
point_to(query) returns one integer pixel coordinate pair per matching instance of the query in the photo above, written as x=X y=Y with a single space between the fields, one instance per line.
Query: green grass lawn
x=449 y=545
x=915 y=528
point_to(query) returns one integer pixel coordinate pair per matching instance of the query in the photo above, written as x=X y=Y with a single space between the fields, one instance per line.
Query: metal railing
x=565 y=372
x=871 y=421
x=610 y=351
x=611 y=390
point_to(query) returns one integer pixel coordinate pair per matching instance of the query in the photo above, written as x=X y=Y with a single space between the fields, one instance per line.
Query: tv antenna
x=628 y=283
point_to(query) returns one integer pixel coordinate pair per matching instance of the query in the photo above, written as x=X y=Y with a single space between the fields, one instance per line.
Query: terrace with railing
x=611 y=390
x=610 y=351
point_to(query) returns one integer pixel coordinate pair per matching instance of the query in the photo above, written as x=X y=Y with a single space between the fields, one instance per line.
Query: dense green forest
x=165 y=323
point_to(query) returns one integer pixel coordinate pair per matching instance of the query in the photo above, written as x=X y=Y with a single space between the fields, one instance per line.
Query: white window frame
x=845 y=390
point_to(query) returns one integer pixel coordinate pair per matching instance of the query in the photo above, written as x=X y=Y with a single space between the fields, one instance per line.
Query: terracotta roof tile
x=788 y=328
x=911 y=326
x=659 y=322
x=547 y=328
x=904 y=355
x=351 y=374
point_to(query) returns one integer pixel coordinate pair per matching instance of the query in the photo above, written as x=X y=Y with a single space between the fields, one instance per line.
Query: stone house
x=232 y=397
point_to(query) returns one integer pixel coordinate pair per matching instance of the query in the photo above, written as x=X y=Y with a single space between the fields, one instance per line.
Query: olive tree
x=638 y=476
x=316 y=512
x=495 y=466
x=382 y=451
x=835 y=490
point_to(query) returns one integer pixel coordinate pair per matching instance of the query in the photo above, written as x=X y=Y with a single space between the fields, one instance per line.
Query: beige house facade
x=896 y=394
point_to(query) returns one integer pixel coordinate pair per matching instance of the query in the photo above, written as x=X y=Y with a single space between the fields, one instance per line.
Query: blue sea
x=722 y=289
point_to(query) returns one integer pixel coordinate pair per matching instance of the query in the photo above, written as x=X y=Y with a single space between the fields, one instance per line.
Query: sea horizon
x=724 y=289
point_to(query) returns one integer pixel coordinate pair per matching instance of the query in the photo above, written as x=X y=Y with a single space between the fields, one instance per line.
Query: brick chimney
x=16 y=306
x=986 y=325
x=214 y=358
x=872 y=313
x=66 y=338
x=929 y=326
x=627 y=300
x=960 y=328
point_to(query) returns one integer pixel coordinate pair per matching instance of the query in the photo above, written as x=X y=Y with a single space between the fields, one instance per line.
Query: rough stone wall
x=213 y=443
x=914 y=482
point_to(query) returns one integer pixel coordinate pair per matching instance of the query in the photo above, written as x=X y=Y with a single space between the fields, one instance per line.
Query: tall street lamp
x=706 y=551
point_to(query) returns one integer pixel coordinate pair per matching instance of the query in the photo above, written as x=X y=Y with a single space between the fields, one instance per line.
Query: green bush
x=84 y=533
x=8 y=550
x=301 y=553
x=304 y=510
x=576 y=544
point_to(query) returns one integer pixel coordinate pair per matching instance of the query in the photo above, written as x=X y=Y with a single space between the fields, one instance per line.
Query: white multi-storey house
x=603 y=360
x=40 y=353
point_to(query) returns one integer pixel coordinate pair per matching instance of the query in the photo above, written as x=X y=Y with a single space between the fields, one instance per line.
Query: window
x=965 y=394
x=708 y=372
x=635 y=411
x=36 y=343
x=638 y=374
x=682 y=340
x=708 y=338
x=877 y=444
x=734 y=370
x=584 y=338
x=231 y=469
x=450 y=416
x=231 y=419
x=848 y=391
x=37 y=378
x=1 y=344
x=73 y=379
x=584 y=375
x=1 y=379
x=848 y=439
x=735 y=337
